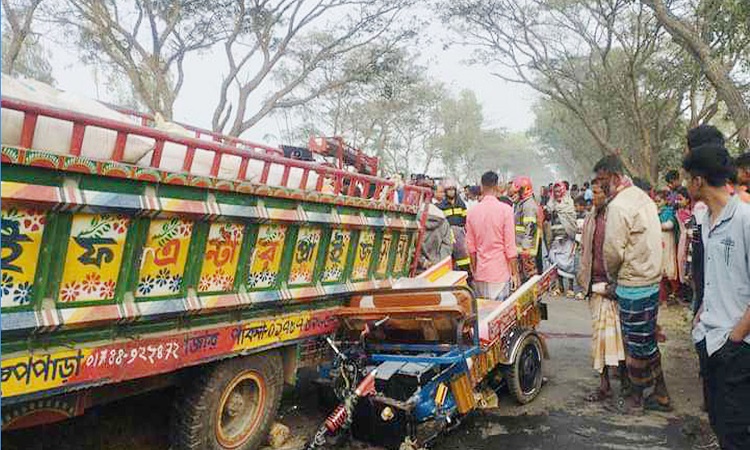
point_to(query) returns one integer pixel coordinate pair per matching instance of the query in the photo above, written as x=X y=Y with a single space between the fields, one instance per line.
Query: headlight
x=387 y=414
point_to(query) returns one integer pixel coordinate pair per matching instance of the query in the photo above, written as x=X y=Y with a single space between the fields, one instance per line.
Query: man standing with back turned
x=491 y=242
x=632 y=254
x=722 y=325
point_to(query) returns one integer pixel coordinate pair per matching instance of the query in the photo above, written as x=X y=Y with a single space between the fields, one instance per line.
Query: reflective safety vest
x=528 y=232
x=454 y=212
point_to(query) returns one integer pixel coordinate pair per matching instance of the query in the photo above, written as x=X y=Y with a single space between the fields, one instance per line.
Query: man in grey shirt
x=722 y=326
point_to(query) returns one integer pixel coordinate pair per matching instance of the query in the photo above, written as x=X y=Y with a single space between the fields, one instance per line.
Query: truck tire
x=524 y=376
x=230 y=405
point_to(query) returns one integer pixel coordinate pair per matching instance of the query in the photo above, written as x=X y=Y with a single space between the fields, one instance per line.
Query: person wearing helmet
x=528 y=234
x=455 y=209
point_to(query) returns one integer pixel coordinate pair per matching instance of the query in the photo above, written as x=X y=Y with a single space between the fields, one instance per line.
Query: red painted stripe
x=189 y=155
x=216 y=164
x=156 y=157
x=76 y=140
x=29 y=126
x=243 y=168
x=119 y=152
x=264 y=174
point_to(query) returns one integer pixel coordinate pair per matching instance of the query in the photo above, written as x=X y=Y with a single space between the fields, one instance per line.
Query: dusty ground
x=558 y=419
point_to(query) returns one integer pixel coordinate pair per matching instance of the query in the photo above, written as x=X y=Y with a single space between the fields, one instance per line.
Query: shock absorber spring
x=336 y=419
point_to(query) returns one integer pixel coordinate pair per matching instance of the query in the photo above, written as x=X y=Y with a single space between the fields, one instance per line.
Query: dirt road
x=558 y=419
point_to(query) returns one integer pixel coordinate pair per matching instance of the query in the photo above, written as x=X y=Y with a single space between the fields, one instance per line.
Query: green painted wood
x=234 y=198
x=44 y=264
x=412 y=249
x=373 y=273
x=196 y=252
x=392 y=253
x=181 y=192
x=320 y=263
x=290 y=244
x=318 y=207
x=246 y=251
x=32 y=175
x=127 y=281
x=349 y=267
x=104 y=184
x=57 y=257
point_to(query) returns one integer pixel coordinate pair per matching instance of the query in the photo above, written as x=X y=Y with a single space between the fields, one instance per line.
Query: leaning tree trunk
x=11 y=55
x=726 y=89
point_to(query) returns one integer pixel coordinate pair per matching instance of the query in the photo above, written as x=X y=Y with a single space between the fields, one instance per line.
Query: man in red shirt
x=491 y=242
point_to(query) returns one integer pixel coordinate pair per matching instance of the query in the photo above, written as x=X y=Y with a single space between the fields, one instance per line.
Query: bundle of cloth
x=53 y=135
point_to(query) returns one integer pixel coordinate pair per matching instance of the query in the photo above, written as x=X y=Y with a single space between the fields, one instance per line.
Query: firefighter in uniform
x=455 y=211
x=528 y=230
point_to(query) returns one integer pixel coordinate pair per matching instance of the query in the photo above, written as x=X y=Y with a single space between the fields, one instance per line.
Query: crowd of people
x=628 y=248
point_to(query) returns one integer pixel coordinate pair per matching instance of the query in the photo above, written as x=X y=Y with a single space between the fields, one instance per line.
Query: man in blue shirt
x=588 y=193
x=722 y=325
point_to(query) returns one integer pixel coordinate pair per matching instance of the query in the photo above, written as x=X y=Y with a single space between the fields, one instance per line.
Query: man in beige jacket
x=632 y=255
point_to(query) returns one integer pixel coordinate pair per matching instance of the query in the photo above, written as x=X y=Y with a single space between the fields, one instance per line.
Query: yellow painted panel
x=338 y=249
x=30 y=373
x=94 y=256
x=269 y=331
x=402 y=252
x=385 y=252
x=364 y=255
x=164 y=257
x=305 y=255
x=266 y=258
x=22 y=231
x=221 y=258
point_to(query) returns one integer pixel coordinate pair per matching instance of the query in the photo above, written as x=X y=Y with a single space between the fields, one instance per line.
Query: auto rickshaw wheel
x=524 y=376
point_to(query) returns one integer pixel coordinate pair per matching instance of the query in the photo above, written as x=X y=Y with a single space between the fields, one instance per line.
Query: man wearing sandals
x=632 y=255
x=722 y=325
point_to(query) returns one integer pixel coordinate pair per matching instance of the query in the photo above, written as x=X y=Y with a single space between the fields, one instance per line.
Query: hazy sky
x=506 y=105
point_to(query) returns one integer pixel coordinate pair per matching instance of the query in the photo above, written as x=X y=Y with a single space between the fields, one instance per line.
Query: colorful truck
x=222 y=278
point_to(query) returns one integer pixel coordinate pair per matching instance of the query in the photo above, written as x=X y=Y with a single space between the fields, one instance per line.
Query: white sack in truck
x=54 y=135
x=173 y=156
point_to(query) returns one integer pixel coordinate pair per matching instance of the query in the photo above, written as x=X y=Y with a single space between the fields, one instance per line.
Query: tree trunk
x=726 y=89
x=11 y=56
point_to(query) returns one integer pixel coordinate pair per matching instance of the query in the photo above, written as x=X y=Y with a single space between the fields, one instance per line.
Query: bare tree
x=605 y=60
x=19 y=17
x=392 y=110
x=144 y=40
x=274 y=49
x=717 y=69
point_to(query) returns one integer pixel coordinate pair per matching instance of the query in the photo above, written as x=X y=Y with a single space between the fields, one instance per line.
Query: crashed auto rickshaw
x=412 y=361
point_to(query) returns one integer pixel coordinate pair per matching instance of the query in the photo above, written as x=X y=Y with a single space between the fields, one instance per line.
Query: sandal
x=652 y=403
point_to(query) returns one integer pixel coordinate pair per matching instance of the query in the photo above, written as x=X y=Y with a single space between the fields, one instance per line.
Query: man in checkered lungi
x=632 y=254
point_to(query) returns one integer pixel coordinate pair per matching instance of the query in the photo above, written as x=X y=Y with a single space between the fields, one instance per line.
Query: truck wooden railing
x=148 y=120
x=360 y=185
